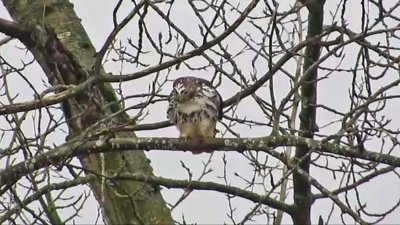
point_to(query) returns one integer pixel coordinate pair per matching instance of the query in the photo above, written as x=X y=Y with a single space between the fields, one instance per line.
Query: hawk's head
x=187 y=88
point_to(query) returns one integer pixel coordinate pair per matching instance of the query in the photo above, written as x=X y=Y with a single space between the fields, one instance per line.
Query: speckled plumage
x=194 y=107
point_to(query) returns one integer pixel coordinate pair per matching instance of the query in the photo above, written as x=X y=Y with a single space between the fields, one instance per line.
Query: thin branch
x=46 y=189
x=201 y=185
x=186 y=56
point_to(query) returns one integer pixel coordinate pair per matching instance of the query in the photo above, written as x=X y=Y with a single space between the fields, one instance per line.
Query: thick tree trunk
x=302 y=187
x=62 y=48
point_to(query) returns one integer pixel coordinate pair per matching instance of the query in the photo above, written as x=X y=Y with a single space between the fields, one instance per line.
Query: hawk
x=194 y=108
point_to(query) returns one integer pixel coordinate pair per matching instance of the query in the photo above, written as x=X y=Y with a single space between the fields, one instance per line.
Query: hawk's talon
x=185 y=138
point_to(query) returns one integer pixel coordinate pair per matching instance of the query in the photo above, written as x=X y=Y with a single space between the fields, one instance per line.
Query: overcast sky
x=206 y=206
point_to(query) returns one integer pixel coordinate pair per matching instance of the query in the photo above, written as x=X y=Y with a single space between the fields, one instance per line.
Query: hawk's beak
x=178 y=95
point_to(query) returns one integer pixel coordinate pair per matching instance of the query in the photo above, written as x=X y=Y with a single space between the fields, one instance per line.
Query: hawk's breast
x=196 y=118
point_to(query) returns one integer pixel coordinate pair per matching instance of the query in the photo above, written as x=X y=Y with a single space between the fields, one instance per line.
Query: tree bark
x=61 y=46
x=302 y=186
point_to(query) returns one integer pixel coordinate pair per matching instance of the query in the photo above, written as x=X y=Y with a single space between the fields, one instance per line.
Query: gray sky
x=211 y=207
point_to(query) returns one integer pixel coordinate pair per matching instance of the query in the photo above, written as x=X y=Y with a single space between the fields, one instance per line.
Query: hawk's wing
x=172 y=105
x=214 y=98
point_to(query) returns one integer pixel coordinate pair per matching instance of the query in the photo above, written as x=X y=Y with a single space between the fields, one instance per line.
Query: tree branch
x=186 y=56
x=263 y=144
x=44 y=190
x=15 y=31
x=201 y=185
